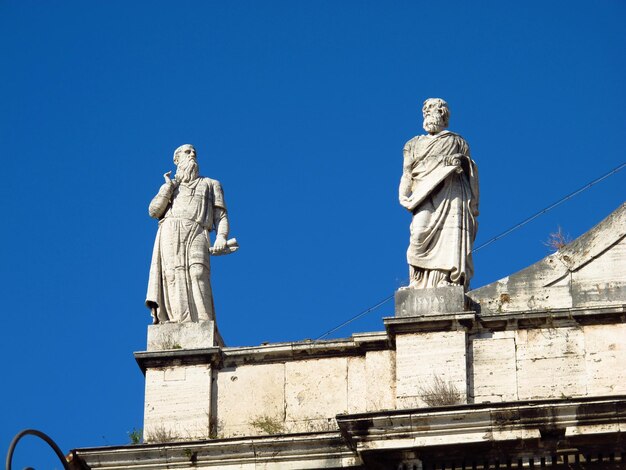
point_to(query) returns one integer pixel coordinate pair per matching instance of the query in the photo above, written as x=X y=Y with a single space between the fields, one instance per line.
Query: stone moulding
x=178 y=357
x=320 y=450
x=473 y=322
x=555 y=317
x=488 y=432
x=379 y=341
x=443 y=322
x=537 y=421
x=265 y=354
x=281 y=352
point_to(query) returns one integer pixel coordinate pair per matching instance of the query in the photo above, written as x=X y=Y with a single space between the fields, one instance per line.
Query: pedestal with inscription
x=435 y=301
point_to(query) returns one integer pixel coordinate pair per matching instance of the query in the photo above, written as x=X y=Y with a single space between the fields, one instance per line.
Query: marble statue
x=188 y=208
x=439 y=186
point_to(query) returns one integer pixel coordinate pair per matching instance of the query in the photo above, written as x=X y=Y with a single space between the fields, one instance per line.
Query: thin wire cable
x=550 y=207
x=489 y=242
x=356 y=317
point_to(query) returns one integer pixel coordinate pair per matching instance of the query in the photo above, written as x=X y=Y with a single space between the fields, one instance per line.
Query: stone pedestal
x=431 y=362
x=417 y=302
x=430 y=331
x=189 y=335
x=179 y=399
x=178 y=403
x=179 y=364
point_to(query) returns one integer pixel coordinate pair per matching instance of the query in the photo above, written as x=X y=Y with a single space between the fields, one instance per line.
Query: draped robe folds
x=179 y=283
x=444 y=223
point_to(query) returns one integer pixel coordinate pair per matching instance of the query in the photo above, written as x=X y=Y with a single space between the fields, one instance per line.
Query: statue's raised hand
x=169 y=181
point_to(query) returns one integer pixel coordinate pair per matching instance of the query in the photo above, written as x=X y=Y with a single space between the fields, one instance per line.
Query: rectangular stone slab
x=188 y=335
x=415 y=302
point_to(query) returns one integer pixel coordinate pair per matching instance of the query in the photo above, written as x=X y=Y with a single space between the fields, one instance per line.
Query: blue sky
x=301 y=110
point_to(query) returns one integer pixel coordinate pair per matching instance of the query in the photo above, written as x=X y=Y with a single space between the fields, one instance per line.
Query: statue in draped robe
x=188 y=208
x=439 y=186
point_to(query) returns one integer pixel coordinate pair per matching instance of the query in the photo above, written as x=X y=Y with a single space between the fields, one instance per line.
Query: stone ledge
x=318 y=450
x=469 y=424
x=281 y=352
x=422 y=323
x=475 y=322
x=177 y=357
x=265 y=354
x=359 y=344
x=554 y=318
x=510 y=429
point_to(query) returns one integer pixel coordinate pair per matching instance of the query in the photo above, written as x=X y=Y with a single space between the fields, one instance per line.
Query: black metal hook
x=40 y=435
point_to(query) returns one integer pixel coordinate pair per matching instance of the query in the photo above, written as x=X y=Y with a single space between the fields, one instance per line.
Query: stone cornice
x=476 y=322
x=265 y=353
x=423 y=323
x=476 y=424
x=472 y=322
x=175 y=357
x=319 y=450
x=281 y=352
x=554 y=318
x=536 y=424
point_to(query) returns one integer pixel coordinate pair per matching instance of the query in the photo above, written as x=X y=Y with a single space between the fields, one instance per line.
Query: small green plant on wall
x=268 y=425
x=135 y=436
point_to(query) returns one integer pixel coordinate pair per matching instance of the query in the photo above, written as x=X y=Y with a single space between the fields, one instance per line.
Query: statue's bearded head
x=436 y=115
x=186 y=164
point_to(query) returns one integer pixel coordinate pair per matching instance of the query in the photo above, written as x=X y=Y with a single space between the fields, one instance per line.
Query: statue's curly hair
x=441 y=104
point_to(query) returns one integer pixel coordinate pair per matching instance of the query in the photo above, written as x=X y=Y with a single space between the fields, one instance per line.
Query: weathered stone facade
x=536 y=363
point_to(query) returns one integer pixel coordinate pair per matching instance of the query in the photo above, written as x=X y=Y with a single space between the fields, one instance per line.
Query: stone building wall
x=554 y=330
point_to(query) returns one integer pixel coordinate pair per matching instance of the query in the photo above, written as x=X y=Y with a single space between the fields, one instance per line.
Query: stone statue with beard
x=188 y=208
x=439 y=186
